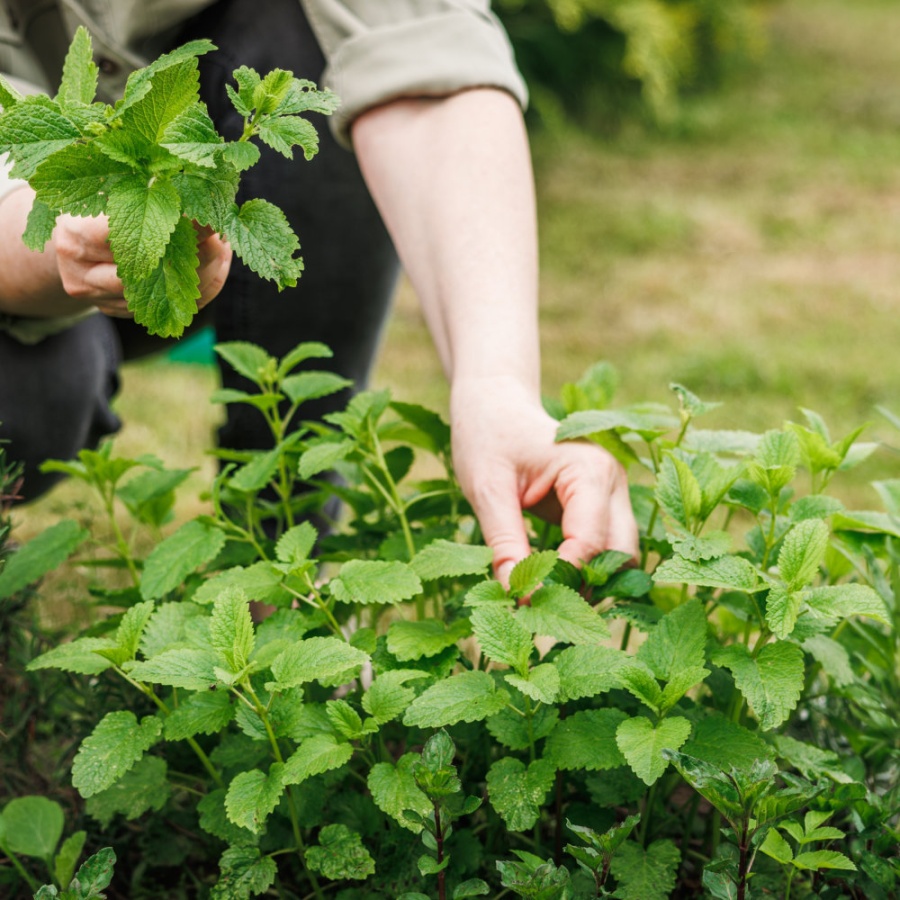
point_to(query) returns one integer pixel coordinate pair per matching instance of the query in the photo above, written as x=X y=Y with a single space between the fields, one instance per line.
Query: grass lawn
x=751 y=253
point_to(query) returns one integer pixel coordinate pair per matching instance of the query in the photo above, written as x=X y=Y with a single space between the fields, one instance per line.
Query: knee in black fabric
x=54 y=397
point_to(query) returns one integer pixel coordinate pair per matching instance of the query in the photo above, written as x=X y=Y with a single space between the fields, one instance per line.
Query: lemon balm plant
x=361 y=710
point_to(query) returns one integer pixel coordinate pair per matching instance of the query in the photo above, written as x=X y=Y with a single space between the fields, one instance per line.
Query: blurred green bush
x=597 y=61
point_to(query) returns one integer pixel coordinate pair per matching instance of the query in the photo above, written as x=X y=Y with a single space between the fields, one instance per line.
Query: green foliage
x=400 y=724
x=154 y=163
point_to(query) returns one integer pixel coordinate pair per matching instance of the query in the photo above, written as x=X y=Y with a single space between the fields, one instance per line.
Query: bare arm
x=452 y=178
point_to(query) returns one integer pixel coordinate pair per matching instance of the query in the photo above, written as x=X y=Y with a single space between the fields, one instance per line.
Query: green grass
x=751 y=252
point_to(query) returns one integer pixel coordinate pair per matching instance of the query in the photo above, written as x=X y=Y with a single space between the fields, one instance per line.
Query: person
x=427 y=154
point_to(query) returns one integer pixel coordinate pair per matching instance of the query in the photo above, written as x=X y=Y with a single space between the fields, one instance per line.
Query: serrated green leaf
x=189 y=668
x=771 y=682
x=724 y=744
x=142 y=788
x=79 y=77
x=318 y=754
x=262 y=237
x=586 y=423
x=641 y=683
x=833 y=657
x=165 y=300
x=447 y=559
x=39 y=226
x=394 y=791
x=43 y=553
x=557 y=611
x=802 y=553
x=79 y=656
x=202 y=713
x=677 y=642
x=642 y=744
x=32 y=826
x=388 y=697
x=174 y=88
x=515 y=732
x=823 y=859
x=67 y=858
x=306 y=386
x=296 y=544
x=840 y=601
x=646 y=873
x=528 y=573
x=95 y=873
x=518 y=792
x=283 y=133
x=732 y=572
x=207 y=197
x=77 y=180
x=588 y=670
x=782 y=610
x=244 y=873
x=408 y=640
x=260 y=581
x=487 y=592
x=327 y=660
x=170 y=562
x=777 y=847
x=192 y=136
x=586 y=740
x=321 y=457
x=131 y=628
x=473 y=887
x=256 y=474
x=703 y=547
x=678 y=491
x=248 y=360
x=253 y=795
x=340 y=854
x=466 y=697
x=541 y=683
x=303 y=96
x=113 y=747
x=375 y=581
x=231 y=629
x=502 y=637
x=33 y=130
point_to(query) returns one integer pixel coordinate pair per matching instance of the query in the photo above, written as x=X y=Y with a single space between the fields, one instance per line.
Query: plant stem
x=439 y=838
x=23 y=872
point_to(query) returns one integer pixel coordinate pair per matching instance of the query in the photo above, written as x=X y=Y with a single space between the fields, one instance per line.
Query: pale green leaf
x=190 y=668
x=131 y=628
x=502 y=637
x=678 y=491
x=375 y=581
x=560 y=612
x=589 y=422
x=143 y=788
x=260 y=581
x=586 y=740
x=771 y=682
x=340 y=854
x=541 y=683
x=33 y=130
x=388 y=697
x=283 y=133
x=191 y=546
x=466 y=697
x=732 y=572
x=409 y=640
x=642 y=744
x=677 y=642
x=518 y=792
x=306 y=386
x=833 y=657
x=113 y=747
x=79 y=78
x=67 y=857
x=321 y=457
x=262 y=237
x=328 y=660
x=77 y=180
x=39 y=226
x=231 y=629
x=639 y=681
x=447 y=559
x=588 y=670
x=79 y=656
x=841 y=601
x=244 y=873
x=513 y=730
x=207 y=196
x=32 y=826
x=192 y=136
x=645 y=873
x=487 y=592
x=802 y=553
x=724 y=744
x=782 y=610
x=254 y=475
x=680 y=683
x=42 y=554
x=824 y=859
x=202 y=713
x=394 y=791
x=528 y=573
x=318 y=754
x=253 y=795
x=175 y=85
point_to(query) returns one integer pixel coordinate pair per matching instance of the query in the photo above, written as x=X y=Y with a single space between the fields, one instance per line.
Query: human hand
x=507 y=460
x=88 y=272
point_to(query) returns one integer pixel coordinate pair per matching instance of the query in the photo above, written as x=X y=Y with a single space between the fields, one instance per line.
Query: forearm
x=30 y=283
x=452 y=178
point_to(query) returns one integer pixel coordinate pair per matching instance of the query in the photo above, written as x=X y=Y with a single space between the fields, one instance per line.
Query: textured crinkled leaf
x=174 y=88
x=207 y=197
x=244 y=873
x=327 y=660
x=782 y=610
x=170 y=562
x=394 y=791
x=502 y=637
x=142 y=217
x=815 y=506
x=192 y=136
x=253 y=795
x=703 y=547
x=840 y=601
x=832 y=656
x=39 y=226
x=305 y=386
x=771 y=682
x=231 y=629
x=171 y=625
x=43 y=553
x=823 y=859
x=487 y=592
x=528 y=573
x=113 y=747
x=558 y=611
x=68 y=856
x=588 y=422
x=588 y=670
x=513 y=730
x=677 y=642
x=261 y=235
x=340 y=854
x=165 y=300
x=283 y=133
x=318 y=754
x=77 y=180
x=322 y=457
x=389 y=697
x=32 y=826
x=202 y=713
x=642 y=744
x=724 y=744
x=680 y=683
x=249 y=360
x=646 y=873
x=78 y=84
x=144 y=787
x=131 y=628
x=375 y=581
x=678 y=491
x=33 y=130
x=260 y=581
x=641 y=683
x=802 y=553
x=466 y=697
x=447 y=559
x=409 y=640
x=541 y=683
x=189 y=668
x=586 y=740
x=724 y=572
x=79 y=656
x=258 y=472
x=518 y=792
x=214 y=820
